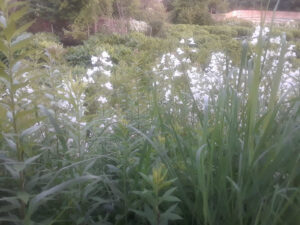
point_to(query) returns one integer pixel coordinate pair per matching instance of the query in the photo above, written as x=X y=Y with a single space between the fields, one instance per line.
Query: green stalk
x=16 y=133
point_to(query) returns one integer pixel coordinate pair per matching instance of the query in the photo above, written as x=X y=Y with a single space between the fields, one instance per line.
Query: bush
x=78 y=56
x=298 y=50
x=296 y=34
x=179 y=31
x=45 y=41
x=238 y=22
x=243 y=31
x=191 y=14
x=157 y=28
x=226 y=31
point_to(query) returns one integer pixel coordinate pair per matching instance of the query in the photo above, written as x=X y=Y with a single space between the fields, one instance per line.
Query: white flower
x=108 y=85
x=90 y=72
x=70 y=141
x=102 y=99
x=182 y=41
x=105 y=54
x=192 y=42
x=167 y=95
x=30 y=90
x=177 y=73
x=179 y=51
x=94 y=60
x=106 y=73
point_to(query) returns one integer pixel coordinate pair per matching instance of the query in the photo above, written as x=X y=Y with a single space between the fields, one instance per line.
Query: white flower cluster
x=102 y=64
x=71 y=102
x=109 y=122
x=256 y=34
x=290 y=76
x=173 y=66
x=169 y=70
x=207 y=82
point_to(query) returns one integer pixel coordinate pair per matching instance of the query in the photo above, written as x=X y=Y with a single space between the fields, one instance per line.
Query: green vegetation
x=192 y=127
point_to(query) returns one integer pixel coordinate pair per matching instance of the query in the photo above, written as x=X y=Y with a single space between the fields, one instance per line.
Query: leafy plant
x=158 y=193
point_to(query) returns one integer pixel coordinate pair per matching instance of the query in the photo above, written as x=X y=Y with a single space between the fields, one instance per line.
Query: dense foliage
x=196 y=127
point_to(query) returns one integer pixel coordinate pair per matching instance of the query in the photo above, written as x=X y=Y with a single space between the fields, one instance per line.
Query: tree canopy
x=57 y=9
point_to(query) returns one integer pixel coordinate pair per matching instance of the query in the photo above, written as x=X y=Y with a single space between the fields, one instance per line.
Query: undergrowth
x=66 y=158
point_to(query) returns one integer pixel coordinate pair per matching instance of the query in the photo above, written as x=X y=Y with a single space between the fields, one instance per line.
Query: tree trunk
x=95 y=26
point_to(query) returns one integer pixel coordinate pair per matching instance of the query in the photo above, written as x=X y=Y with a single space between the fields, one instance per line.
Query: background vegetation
x=199 y=125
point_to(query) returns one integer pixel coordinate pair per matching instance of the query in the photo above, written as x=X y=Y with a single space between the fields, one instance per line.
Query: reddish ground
x=255 y=16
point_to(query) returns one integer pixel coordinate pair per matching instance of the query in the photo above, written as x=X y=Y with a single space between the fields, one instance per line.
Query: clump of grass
x=238 y=164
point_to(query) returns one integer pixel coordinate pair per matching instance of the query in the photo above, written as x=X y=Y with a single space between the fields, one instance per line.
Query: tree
x=217 y=6
x=90 y=14
x=190 y=11
x=54 y=10
x=126 y=8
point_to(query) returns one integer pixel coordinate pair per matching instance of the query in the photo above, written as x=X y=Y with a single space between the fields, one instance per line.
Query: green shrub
x=296 y=34
x=238 y=22
x=298 y=50
x=179 y=31
x=157 y=28
x=190 y=12
x=226 y=31
x=78 y=56
x=243 y=31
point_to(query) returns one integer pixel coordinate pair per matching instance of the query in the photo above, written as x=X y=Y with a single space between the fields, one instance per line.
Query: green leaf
x=17 y=86
x=169 y=215
x=40 y=198
x=12 y=171
x=147 y=214
x=3 y=23
x=24 y=196
x=30 y=130
x=59 y=132
x=4 y=76
x=169 y=192
x=8 y=208
x=19 y=13
x=32 y=159
x=150 y=215
x=21 y=115
x=146 y=178
x=10 y=219
x=12 y=5
x=17 y=66
x=9 y=31
x=11 y=144
x=234 y=184
x=169 y=198
x=22 y=29
x=2 y=65
x=21 y=42
x=18 y=166
x=3 y=48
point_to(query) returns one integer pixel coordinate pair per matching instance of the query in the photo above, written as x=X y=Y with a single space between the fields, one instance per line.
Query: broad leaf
x=40 y=198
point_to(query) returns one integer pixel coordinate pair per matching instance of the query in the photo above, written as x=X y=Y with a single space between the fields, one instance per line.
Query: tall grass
x=233 y=161
x=239 y=164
